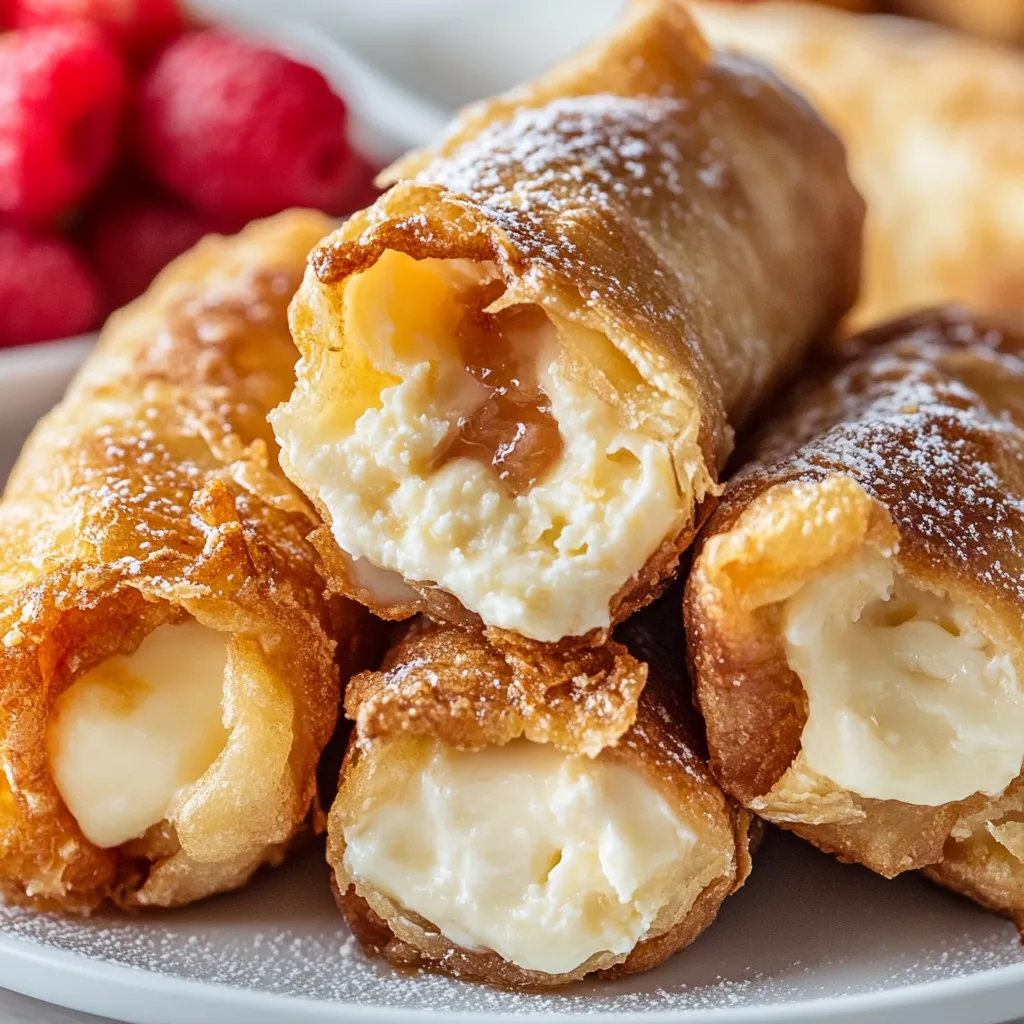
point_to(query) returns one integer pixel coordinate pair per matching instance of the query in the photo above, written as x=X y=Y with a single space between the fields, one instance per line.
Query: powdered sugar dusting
x=576 y=151
x=803 y=927
x=545 y=172
x=926 y=418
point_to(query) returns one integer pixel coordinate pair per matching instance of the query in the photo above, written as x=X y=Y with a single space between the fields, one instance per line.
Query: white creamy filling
x=546 y=563
x=125 y=738
x=545 y=858
x=908 y=700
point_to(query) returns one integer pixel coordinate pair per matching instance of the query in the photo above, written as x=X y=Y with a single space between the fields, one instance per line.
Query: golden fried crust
x=984 y=857
x=1002 y=20
x=152 y=493
x=932 y=121
x=450 y=685
x=687 y=207
x=911 y=439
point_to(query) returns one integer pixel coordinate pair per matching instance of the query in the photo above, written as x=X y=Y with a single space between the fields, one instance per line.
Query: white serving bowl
x=32 y=379
x=433 y=56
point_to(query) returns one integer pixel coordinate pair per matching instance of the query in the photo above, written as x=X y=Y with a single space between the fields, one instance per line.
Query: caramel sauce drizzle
x=514 y=431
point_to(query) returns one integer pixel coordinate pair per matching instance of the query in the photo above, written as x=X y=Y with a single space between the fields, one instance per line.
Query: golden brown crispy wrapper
x=1002 y=20
x=684 y=222
x=859 y=6
x=984 y=857
x=931 y=120
x=908 y=445
x=444 y=685
x=150 y=495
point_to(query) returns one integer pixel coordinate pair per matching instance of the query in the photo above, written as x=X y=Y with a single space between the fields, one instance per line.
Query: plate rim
x=103 y=986
x=44 y=357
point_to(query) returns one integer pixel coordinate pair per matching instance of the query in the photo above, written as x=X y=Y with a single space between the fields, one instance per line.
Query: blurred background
x=130 y=128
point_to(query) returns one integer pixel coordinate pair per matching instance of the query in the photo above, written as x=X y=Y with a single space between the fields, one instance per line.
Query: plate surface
x=807 y=939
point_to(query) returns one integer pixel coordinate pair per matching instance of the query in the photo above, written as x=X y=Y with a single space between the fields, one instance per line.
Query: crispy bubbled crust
x=152 y=493
x=453 y=686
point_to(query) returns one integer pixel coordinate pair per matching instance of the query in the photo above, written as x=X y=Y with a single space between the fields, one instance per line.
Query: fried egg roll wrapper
x=932 y=121
x=534 y=349
x=984 y=857
x=580 y=820
x=168 y=669
x=854 y=611
x=1001 y=20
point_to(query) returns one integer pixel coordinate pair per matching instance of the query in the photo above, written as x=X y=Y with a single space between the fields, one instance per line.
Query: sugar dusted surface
x=847 y=932
x=578 y=153
x=926 y=416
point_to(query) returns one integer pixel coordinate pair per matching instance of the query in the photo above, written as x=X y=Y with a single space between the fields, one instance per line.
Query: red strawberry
x=62 y=93
x=139 y=28
x=240 y=131
x=46 y=291
x=130 y=239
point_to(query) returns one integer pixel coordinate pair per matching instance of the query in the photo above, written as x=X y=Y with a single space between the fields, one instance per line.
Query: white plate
x=807 y=939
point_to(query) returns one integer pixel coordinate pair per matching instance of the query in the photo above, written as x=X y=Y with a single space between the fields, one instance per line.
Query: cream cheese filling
x=543 y=857
x=907 y=699
x=545 y=563
x=126 y=738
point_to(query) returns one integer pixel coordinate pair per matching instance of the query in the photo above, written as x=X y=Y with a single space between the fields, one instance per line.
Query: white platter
x=806 y=940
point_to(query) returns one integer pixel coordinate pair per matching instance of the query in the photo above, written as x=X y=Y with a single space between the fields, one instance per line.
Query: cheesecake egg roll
x=855 y=608
x=932 y=121
x=522 y=367
x=528 y=836
x=168 y=665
